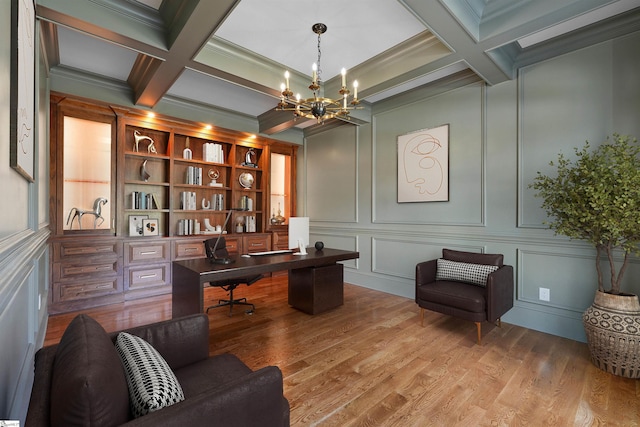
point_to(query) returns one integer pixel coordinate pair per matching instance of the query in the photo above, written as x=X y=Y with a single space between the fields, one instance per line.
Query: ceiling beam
x=195 y=31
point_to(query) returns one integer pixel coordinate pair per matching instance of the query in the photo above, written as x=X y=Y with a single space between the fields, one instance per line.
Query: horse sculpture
x=97 y=212
x=137 y=136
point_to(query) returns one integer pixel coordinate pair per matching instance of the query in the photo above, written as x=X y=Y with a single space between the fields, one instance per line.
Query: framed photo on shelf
x=150 y=227
x=136 y=226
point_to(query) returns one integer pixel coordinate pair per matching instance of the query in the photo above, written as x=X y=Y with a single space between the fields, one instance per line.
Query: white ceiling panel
x=213 y=91
x=356 y=31
x=80 y=51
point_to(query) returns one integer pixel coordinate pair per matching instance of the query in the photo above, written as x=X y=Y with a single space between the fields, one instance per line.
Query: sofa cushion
x=213 y=372
x=475 y=274
x=455 y=295
x=88 y=383
x=152 y=384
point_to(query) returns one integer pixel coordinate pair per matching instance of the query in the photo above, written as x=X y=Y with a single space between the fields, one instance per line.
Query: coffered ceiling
x=230 y=55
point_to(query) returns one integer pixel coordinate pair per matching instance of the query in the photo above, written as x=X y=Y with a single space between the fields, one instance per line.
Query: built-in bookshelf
x=173 y=184
x=190 y=183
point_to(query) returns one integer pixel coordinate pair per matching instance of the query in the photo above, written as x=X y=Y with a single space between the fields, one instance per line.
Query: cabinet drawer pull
x=190 y=249
x=148 y=276
x=105 y=286
x=148 y=253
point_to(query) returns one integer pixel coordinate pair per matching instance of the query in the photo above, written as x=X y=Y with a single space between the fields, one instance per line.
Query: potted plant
x=596 y=198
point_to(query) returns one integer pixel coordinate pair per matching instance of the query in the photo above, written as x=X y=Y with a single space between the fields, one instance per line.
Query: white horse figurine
x=97 y=212
x=137 y=136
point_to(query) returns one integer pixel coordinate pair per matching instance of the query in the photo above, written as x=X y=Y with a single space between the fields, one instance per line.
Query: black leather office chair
x=230 y=284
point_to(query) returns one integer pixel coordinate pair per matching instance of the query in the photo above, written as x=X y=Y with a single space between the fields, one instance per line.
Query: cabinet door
x=281 y=187
x=83 y=158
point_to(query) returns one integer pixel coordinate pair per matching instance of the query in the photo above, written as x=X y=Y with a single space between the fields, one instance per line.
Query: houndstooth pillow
x=475 y=274
x=152 y=383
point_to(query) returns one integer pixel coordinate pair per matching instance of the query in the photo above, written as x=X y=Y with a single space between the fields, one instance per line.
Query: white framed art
x=423 y=165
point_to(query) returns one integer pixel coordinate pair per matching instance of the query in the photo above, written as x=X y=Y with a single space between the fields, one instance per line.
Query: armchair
x=472 y=286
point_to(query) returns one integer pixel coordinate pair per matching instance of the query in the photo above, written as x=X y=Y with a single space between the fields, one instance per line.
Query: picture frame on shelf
x=150 y=227
x=135 y=225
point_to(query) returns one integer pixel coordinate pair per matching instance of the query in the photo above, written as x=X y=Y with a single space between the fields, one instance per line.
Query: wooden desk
x=308 y=272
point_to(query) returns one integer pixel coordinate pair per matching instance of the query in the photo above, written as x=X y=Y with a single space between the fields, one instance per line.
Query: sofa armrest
x=38 y=413
x=499 y=292
x=180 y=341
x=255 y=399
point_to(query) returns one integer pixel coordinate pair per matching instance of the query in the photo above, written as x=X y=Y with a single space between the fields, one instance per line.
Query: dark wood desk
x=313 y=278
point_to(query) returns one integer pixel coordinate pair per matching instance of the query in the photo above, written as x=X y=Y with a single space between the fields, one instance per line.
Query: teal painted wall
x=500 y=136
x=23 y=245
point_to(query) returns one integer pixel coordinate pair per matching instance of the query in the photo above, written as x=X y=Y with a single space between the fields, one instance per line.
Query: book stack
x=250 y=224
x=187 y=227
x=143 y=201
x=193 y=175
x=212 y=152
x=217 y=202
x=188 y=200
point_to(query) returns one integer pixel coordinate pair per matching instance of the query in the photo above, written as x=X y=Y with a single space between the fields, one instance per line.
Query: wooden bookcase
x=174 y=192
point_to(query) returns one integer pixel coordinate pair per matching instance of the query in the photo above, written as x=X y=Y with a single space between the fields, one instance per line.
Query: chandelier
x=318 y=107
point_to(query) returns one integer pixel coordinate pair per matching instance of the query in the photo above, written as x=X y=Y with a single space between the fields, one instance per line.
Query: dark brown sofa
x=81 y=381
x=464 y=300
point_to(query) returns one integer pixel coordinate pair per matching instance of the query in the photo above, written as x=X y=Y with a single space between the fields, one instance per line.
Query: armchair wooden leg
x=499 y=322
x=421 y=316
x=479 y=327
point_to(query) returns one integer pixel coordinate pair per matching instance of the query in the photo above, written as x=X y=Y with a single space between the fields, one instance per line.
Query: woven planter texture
x=612 y=325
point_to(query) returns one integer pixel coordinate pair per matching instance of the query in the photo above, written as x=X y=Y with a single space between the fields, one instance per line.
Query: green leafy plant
x=596 y=198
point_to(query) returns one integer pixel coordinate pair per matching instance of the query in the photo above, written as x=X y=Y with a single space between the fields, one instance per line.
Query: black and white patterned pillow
x=475 y=274
x=152 y=383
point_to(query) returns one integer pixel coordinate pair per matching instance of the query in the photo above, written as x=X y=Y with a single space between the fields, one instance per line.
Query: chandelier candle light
x=318 y=107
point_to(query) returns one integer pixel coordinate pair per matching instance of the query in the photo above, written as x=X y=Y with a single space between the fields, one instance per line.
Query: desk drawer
x=186 y=249
x=258 y=243
x=148 y=276
x=94 y=250
x=67 y=270
x=146 y=252
x=84 y=290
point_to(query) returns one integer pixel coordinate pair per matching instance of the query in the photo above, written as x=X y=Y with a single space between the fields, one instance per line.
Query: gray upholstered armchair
x=472 y=286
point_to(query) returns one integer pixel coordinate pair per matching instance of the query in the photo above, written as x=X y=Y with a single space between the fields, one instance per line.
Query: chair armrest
x=426 y=272
x=40 y=401
x=255 y=399
x=499 y=292
x=180 y=341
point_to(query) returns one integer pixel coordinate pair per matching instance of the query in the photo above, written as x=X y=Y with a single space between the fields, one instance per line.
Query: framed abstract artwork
x=22 y=87
x=423 y=165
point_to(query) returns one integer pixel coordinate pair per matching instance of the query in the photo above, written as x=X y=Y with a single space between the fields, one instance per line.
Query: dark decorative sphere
x=319 y=246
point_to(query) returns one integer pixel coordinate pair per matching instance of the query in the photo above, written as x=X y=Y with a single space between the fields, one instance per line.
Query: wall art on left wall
x=22 y=87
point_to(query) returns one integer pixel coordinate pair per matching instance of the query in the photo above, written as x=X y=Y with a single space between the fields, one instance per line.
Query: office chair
x=228 y=285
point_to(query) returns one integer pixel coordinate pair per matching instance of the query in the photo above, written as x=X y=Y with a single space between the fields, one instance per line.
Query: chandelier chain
x=319 y=55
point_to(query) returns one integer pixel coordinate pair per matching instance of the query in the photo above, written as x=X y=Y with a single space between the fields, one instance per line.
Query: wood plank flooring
x=370 y=363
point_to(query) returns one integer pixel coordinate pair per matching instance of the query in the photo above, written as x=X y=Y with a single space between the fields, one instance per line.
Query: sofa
x=83 y=380
x=472 y=286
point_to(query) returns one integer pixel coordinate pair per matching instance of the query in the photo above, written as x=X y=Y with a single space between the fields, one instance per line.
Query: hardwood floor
x=370 y=363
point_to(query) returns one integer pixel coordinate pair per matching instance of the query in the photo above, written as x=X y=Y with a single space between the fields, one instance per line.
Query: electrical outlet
x=545 y=294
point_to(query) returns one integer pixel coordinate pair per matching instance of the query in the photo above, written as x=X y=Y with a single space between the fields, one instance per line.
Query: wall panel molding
x=464 y=109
